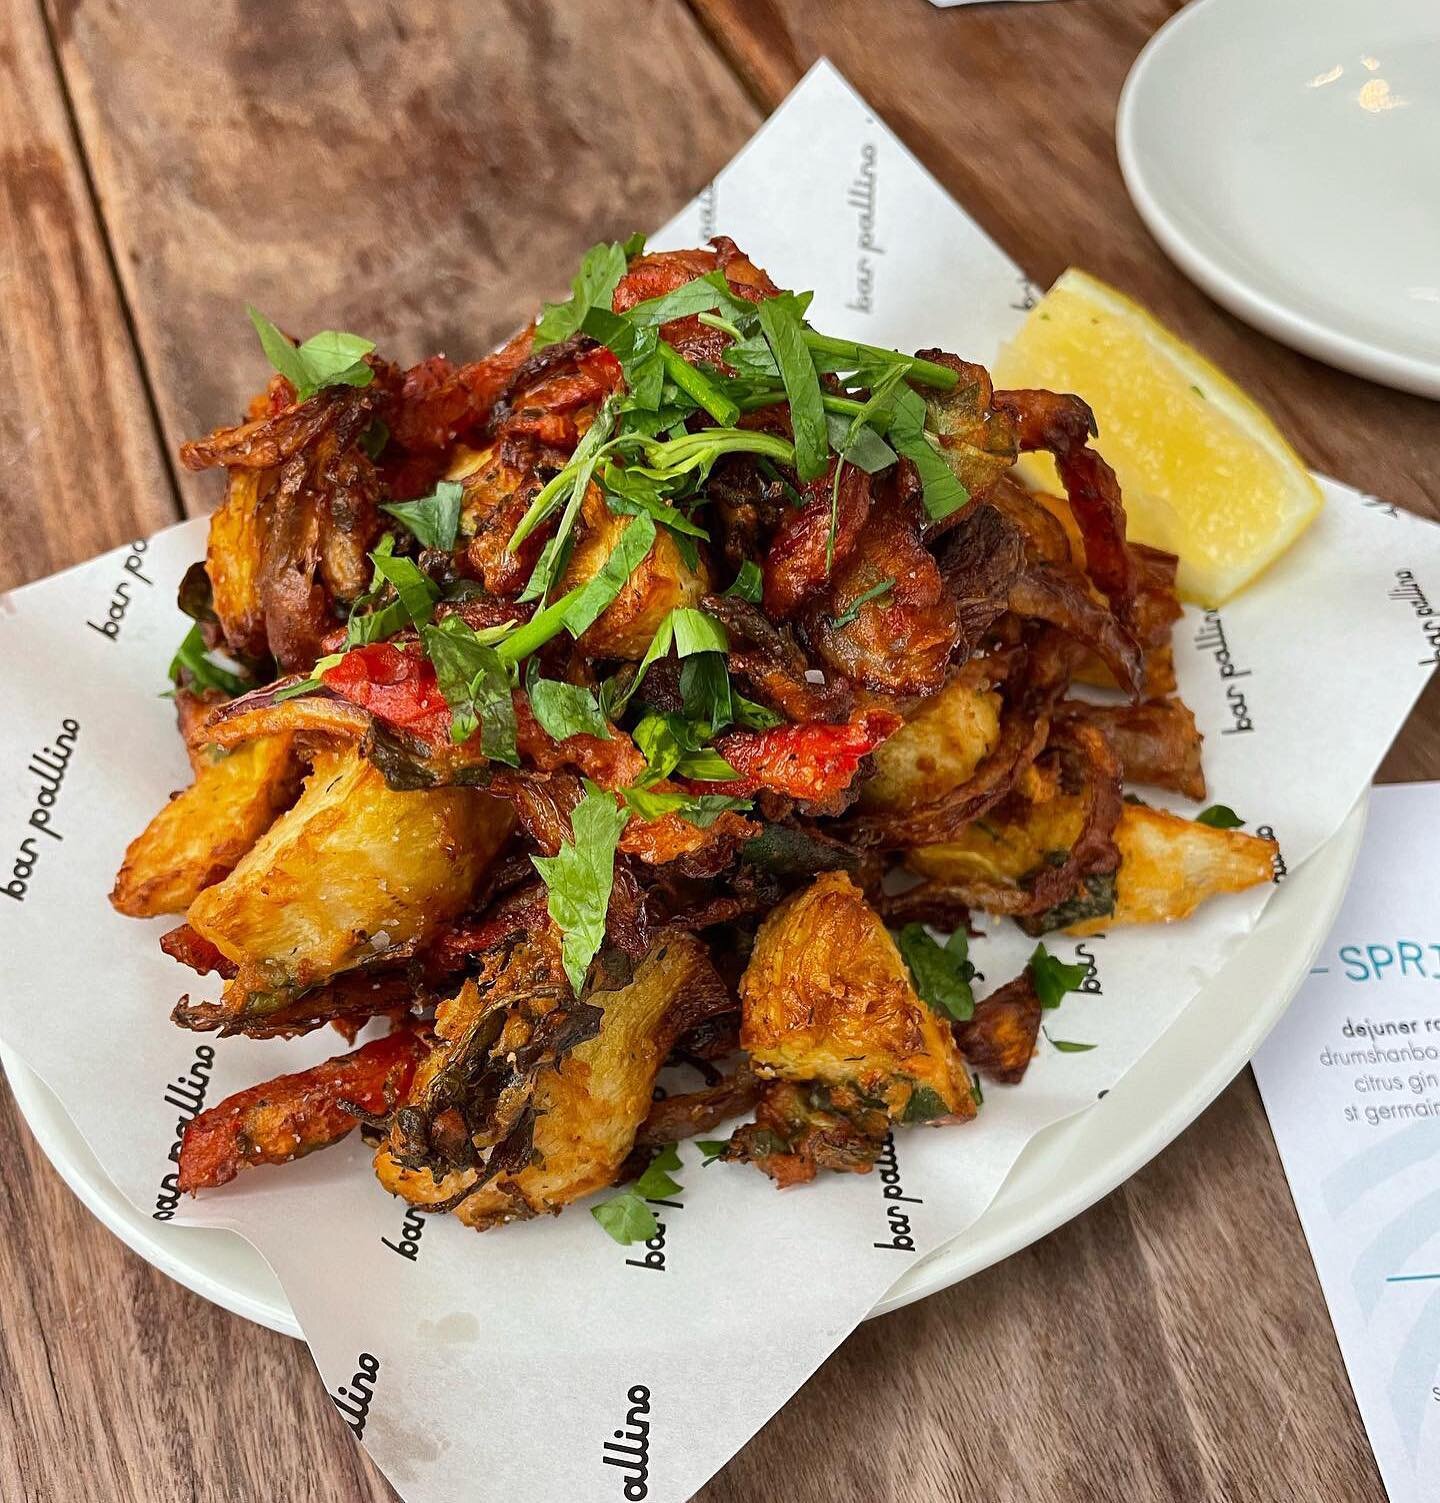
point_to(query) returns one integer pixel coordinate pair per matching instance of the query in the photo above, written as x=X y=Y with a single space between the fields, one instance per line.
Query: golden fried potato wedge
x=662 y=582
x=202 y=833
x=589 y=1108
x=1170 y=865
x=939 y=747
x=827 y=998
x=353 y=871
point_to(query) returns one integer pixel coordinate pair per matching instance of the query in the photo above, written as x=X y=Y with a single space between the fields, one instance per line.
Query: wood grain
x=80 y=466
x=419 y=173
x=423 y=173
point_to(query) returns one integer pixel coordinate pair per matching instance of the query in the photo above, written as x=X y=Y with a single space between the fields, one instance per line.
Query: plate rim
x=1288 y=324
x=261 y=1299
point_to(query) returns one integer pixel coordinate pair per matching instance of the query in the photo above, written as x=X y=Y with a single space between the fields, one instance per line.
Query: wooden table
x=421 y=172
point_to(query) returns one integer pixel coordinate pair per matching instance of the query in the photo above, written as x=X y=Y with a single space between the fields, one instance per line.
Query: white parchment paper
x=498 y=1367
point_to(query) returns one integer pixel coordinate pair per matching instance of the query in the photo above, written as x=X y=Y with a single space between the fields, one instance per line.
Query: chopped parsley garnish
x=924 y=1105
x=712 y=1148
x=672 y=744
x=416 y=591
x=564 y=710
x=785 y=336
x=851 y=613
x=942 y=973
x=705 y=691
x=942 y=492
x=476 y=686
x=749 y=583
x=1067 y=1046
x=1219 y=817
x=625 y=1216
x=1053 y=978
x=698 y=809
x=579 y=879
x=601 y=268
x=317 y=674
x=326 y=359
x=434 y=520
x=204 y=671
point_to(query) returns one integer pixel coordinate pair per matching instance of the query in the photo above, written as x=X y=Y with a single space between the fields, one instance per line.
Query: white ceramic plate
x=1286 y=155
x=1065 y=1169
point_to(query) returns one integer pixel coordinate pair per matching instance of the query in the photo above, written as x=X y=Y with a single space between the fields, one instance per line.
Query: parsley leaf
x=857 y=443
x=656 y=1183
x=696 y=632
x=317 y=673
x=942 y=492
x=476 y=686
x=749 y=583
x=698 y=809
x=942 y=973
x=580 y=877
x=751 y=716
x=417 y=592
x=204 y=671
x=566 y=710
x=851 y=613
x=712 y=1148
x=556 y=552
x=433 y=519
x=671 y=743
x=626 y=1218
x=329 y=358
x=594 y=597
x=1053 y=978
x=705 y=691
x=601 y=268
x=786 y=338
x=1067 y=1046
x=1219 y=817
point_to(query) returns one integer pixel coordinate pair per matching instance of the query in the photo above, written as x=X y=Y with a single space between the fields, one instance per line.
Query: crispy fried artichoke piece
x=588 y=1108
x=348 y=1002
x=1031 y=856
x=352 y=872
x=807 y=548
x=1170 y=865
x=202 y=833
x=942 y=742
x=977 y=438
x=800 y=1129
x=827 y=999
x=1157 y=743
x=675 y=1117
x=901 y=641
x=999 y=1039
x=292 y=1115
x=661 y=582
x=232 y=560
x=1063 y=426
x=493 y=1038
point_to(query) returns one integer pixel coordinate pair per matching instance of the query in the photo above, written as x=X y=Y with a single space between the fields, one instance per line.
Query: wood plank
x=81 y=469
x=419 y=173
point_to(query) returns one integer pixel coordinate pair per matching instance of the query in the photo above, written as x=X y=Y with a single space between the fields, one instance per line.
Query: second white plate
x=1064 y=1170
x=1286 y=155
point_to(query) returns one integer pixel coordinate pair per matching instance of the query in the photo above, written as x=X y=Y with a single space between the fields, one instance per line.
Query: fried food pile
x=636 y=696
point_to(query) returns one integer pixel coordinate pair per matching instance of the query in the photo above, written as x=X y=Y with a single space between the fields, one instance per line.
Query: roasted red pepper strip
x=292 y=1115
x=395 y=685
x=804 y=761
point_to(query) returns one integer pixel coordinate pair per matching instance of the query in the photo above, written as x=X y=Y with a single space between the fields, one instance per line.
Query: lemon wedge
x=1204 y=471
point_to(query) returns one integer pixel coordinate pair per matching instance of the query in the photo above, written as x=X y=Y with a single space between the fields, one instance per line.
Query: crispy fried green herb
x=1219 y=817
x=204 y=671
